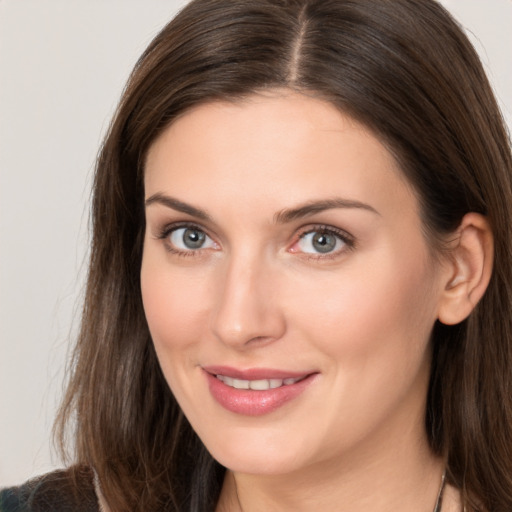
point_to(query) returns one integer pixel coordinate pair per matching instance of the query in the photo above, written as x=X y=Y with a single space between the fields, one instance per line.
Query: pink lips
x=254 y=402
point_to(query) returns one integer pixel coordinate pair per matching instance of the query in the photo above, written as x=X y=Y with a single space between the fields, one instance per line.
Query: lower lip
x=253 y=402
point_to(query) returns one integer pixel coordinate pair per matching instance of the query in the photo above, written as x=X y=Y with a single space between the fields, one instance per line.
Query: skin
x=258 y=294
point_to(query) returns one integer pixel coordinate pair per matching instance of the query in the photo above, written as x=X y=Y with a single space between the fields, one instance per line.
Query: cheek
x=172 y=303
x=372 y=327
x=371 y=309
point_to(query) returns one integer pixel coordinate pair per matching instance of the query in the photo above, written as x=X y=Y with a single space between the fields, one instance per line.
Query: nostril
x=260 y=340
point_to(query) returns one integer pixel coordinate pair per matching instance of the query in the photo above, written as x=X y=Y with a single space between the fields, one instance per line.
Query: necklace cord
x=437 y=506
x=439 y=500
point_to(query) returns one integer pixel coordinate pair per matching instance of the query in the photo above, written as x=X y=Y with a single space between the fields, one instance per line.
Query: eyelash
x=167 y=231
x=347 y=239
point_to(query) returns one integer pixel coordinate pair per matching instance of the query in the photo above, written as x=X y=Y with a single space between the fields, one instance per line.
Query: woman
x=298 y=294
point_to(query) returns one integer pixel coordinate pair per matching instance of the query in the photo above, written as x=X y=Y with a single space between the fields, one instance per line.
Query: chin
x=259 y=453
x=259 y=464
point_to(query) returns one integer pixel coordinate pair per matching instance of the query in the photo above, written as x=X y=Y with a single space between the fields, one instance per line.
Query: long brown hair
x=405 y=69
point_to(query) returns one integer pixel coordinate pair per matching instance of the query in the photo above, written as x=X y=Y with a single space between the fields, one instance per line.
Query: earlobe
x=470 y=263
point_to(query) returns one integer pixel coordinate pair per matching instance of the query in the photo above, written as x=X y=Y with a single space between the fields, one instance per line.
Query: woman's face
x=288 y=288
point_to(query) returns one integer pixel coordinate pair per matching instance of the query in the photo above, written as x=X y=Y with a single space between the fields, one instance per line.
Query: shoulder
x=71 y=490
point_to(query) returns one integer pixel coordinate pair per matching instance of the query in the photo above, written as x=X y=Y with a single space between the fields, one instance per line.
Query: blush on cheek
x=390 y=305
x=174 y=311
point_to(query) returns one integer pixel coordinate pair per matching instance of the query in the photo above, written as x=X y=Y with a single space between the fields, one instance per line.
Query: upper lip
x=255 y=373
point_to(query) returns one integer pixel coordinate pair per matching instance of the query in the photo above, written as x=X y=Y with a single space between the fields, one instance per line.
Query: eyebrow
x=177 y=205
x=313 y=207
x=282 y=217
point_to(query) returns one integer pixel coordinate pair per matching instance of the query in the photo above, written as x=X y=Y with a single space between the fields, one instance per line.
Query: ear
x=469 y=269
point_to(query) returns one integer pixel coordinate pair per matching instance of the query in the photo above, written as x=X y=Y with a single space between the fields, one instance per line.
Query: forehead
x=273 y=149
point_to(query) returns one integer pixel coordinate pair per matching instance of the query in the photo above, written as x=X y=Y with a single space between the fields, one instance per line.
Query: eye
x=188 y=239
x=322 y=241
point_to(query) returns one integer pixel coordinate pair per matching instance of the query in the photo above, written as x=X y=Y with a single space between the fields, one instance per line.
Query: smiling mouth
x=256 y=391
x=257 y=385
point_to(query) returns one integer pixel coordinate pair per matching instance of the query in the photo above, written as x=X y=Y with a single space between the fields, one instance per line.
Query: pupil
x=324 y=242
x=193 y=238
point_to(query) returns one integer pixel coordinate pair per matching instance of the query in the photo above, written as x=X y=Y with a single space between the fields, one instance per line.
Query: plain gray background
x=63 y=64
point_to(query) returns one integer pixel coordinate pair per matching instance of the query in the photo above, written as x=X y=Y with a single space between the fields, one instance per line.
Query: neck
x=401 y=476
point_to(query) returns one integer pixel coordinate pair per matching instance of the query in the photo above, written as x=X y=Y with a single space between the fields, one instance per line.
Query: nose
x=247 y=307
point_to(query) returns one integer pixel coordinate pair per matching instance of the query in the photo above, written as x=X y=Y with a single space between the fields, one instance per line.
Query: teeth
x=274 y=383
x=257 y=385
x=261 y=385
x=240 y=384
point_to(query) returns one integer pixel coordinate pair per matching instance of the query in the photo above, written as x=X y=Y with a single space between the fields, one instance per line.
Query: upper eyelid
x=173 y=226
x=349 y=241
x=164 y=233
x=342 y=233
x=299 y=232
